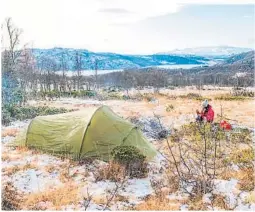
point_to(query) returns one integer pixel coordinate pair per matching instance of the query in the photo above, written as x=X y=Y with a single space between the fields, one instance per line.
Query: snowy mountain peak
x=210 y=51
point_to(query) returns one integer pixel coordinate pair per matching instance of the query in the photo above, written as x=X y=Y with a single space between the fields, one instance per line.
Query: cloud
x=247 y=16
x=115 y=10
x=99 y=24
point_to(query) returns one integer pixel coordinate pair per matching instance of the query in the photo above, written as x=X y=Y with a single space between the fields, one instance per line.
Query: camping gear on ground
x=225 y=125
x=93 y=132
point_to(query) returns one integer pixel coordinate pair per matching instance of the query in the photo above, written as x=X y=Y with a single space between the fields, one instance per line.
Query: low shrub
x=194 y=96
x=137 y=97
x=169 y=108
x=57 y=94
x=6 y=115
x=13 y=113
x=229 y=97
x=148 y=97
x=171 y=87
x=241 y=135
x=115 y=95
x=171 y=97
x=202 y=98
x=132 y=159
x=243 y=157
x=242 y=92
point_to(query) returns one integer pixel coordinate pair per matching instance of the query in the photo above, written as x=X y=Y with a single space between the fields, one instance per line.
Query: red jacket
x=208 y=114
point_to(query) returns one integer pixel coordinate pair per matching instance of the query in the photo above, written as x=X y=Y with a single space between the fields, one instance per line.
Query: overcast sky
x=133 y=26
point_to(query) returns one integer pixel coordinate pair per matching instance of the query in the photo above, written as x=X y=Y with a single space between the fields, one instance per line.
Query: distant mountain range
x=112 y=61
x=243 y=62
x=243 y=58
x=210 y=51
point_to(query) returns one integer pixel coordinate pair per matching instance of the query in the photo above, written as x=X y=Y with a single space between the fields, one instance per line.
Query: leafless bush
x=87 y=200
x=196 y=154
x=111 y=194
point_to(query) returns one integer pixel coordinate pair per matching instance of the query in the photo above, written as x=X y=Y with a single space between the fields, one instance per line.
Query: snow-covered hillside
x=210 y=51
x=107 y=61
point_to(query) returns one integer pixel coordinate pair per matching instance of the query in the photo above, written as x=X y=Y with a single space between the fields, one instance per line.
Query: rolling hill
x=107 y=61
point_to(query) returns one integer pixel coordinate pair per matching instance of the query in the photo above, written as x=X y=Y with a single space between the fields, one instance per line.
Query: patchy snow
x=136 y=189
x=235 y=167
x=33 y=181
x=240 y=74
x=207 y=198
x=235 y=198
x=228 y=189
x=98 y=189
x=184 y=207
x=92 y=207
x=225 y=186
x=7 y=139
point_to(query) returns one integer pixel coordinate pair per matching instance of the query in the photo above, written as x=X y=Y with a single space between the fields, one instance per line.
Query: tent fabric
x=80 y=134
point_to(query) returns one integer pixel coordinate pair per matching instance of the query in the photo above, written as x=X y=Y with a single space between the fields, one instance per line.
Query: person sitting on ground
x=206 y=114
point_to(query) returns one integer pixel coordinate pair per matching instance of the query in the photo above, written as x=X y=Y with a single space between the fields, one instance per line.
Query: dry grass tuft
x=121 y=198
x=10 y=198
x=242 y=157
x=50 y=168
x=99 y=199
x=29 y=166
x=65 y=172
x=196 y=203
x=11 y=170
x=155 y=203
x=10 y=132
x=219 y=201
x=244 y=175
x=69 y=194
x=5 y=156
x=114 y=172
x=250 y=198
x=247 y=179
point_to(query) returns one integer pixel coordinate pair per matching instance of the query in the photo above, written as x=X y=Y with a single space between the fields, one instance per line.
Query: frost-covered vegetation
x=198 y=166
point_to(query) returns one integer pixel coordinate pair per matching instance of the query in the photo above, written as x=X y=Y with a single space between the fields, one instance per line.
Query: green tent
x=93 y=132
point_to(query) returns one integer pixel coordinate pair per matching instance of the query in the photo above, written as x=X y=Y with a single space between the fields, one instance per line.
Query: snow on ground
x=137 y=189
x=235 y=199
x=34 y=181
x=227 y=188
x=37 y=179
x=17 y=124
